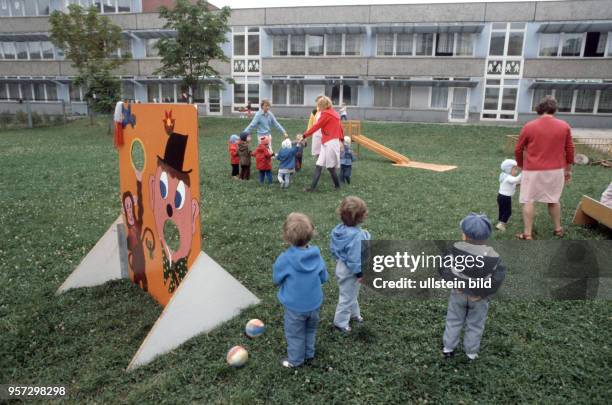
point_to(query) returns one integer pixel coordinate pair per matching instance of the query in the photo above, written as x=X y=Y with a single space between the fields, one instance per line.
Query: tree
x=90 y=41
x=199 y=35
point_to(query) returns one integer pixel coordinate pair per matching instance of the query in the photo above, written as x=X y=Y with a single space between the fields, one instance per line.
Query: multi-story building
x=468 y=62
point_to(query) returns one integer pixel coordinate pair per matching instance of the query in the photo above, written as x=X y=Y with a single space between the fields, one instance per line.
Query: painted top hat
x=174 y=155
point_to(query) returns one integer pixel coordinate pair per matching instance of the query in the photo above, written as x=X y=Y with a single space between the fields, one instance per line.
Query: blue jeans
x=267 y=174
x=345 y=173
x=300 y=333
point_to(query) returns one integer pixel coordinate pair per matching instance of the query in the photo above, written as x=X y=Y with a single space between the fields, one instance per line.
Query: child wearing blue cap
x=469 y=306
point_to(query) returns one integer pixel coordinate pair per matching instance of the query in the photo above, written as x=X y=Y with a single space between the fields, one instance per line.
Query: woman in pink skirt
x=545 y=152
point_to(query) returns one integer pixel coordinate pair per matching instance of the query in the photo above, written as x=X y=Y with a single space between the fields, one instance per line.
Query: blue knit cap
x=476 y=226
x=234 y=138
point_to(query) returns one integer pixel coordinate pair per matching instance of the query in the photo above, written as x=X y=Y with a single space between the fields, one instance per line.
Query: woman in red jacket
x=331 y=142
x=545 y=152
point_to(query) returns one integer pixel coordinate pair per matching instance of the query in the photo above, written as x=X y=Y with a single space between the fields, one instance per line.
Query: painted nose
x=169 y=210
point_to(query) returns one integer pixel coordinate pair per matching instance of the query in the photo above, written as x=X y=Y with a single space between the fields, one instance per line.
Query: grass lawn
x=60 y=192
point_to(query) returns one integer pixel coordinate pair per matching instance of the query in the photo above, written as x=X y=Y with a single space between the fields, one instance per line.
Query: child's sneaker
x=472 y=356
x=287 y=364
x=501 y=226
x=448 y=354
x=346 y=329
x=357 y=319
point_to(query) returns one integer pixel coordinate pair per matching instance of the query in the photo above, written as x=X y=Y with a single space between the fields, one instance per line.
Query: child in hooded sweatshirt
x=263 y=160
x=286 y=156
x=244 y=154
x=468 y=307
x=299 y=273
x=232 y=148
x=507 y=186
x=346 y=161
x=345 y=247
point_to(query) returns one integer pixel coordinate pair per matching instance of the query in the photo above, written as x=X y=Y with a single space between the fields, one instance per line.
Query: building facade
x=468 y=62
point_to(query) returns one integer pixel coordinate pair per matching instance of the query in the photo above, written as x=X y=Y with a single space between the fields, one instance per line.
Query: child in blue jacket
x=286 y=156
x=345 y=246
x=346 y=161
x=299 y=272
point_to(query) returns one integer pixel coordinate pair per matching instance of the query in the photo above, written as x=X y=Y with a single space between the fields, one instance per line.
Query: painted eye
x=179 y=197
x=163 y=185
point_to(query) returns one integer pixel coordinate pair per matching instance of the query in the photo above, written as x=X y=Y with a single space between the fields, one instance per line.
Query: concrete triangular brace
x=105 y=261
x=207 y=297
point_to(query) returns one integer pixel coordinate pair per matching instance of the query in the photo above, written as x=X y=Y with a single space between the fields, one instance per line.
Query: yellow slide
x=353 y=129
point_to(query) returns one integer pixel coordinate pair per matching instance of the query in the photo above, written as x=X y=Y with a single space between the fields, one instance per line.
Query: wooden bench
x=590 y=211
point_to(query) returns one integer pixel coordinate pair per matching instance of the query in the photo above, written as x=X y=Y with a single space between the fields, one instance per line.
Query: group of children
x=290 y=158
x=300 y=272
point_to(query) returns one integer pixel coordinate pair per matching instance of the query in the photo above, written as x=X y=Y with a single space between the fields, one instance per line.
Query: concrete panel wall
x=564 y=68
x=24 y=24
x=148 y=21
x=248 y=16
x=510 y=11
x=125 y=21
x=426 y=66
x=573 y=10
x=427 y=12
x=29 y=68
x=314 y=66
x=317 y=15
x=47 y=107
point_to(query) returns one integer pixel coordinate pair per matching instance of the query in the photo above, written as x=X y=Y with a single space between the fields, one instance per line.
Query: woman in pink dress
x=545 y=152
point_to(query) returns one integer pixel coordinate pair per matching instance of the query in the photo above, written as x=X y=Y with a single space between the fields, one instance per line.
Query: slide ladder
x=353 y=129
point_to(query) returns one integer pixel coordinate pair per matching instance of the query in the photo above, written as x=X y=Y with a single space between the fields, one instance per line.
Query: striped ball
x=254 y=328
x=237 y=356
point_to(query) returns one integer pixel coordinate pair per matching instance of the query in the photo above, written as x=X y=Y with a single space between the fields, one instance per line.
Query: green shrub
x=21 y=117
x=5 y=119
x=58 y=120
x=36 y=119
x=46 y=118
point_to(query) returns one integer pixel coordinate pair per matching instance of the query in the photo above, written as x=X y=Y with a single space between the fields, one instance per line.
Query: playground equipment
x=353 y=129
x=590 y=212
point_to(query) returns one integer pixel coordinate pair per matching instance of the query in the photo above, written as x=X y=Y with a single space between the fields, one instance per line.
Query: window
x=339 y=94
x=384 y=44
x=498 y=40
x=400 y=97
x=564 y=99
x=605 y=102
x=465 y=45
x=153 y=92
x=491 y=98
x=47 y=50
x=151 y=50
x=51 y=92
x=585 y=101
x=124 y=6
x=108 y=6
x=279 y=94
x=439 y=97
x=199 y=94
x=333 y=92
x=349 y=95
x=3 y=91
x=352 y=44
x=549 y=44
x=17 y=7
x=404 y=44
x=75 y=92
x=239 y=93
x=296 y=94
x=43 y=7
x=35 y=50
x=22 y=50
x=14 y=91
x=382 y=96
x=334 y=44
x=26 y=91
x=444 y=44
x=279 y=45
x=315 y=45
x=97 y=4
x=571 y=45
x=4 y=8
x=509 y=99
x=167 y=92
x=39 y=91
x=595 y=44
x=424 y=44
x=239 y=48
x=253 y=93
x=515 y=44
x=127 y=91
x=253 y=44
x=9 y=50
x=298 y=45
x=538 y=96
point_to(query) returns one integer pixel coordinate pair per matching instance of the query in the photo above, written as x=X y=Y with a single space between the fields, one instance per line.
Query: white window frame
x=433 y=48
x=288 y=93
x=607 y=50
x=572 y=111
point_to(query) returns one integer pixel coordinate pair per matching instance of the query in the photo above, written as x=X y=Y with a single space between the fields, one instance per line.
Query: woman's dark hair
x=548 y=105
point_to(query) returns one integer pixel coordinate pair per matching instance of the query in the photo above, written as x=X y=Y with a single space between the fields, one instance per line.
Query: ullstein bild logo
x=553 y=270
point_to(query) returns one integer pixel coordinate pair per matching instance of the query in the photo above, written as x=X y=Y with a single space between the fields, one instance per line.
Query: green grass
x=59 y=193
